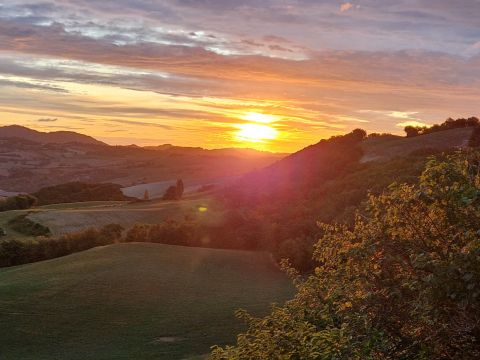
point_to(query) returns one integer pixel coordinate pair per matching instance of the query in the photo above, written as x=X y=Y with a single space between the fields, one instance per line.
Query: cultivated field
x=157 y=189
x=133 y=301
x=65 y=218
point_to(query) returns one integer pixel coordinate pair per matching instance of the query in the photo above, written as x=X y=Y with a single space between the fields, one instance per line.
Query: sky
x=274 y=75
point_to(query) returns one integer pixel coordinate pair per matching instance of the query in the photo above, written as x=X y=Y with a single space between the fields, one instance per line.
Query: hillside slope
x=133 y=301
x=389 y=147
x=54 y=137
x=27 y=166
x=297 y=172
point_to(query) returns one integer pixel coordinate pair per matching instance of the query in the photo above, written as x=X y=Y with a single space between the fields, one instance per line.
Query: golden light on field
x=255 y=133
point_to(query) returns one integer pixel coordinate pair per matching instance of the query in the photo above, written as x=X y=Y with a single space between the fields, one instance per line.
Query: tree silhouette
x=180 y=188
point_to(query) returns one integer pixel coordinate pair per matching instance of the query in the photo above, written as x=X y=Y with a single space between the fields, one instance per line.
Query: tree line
x=18 y=251
x=448 y=124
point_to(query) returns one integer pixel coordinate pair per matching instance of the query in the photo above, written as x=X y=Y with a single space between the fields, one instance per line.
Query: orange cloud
x=346 y=6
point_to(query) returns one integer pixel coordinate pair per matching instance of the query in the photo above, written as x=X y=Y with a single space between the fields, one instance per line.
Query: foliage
x=168 y=232
x=180 y=188
x=446 y=125
x=292 y=219
x=18 y=202
x=402 y=283
x=174 y=192
x=23 y=225
x=16 y=251
x=79 y=192
x=412 y=131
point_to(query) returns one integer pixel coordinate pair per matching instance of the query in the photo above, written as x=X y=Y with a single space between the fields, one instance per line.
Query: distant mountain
x=238 y=152
x=55 y=137
x=30 y=160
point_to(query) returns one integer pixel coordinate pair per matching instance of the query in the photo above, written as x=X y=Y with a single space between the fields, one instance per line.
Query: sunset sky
x=274 y=74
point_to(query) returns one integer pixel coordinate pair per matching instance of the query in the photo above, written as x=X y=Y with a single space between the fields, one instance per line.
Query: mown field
x=72 y=217
x=133 y=301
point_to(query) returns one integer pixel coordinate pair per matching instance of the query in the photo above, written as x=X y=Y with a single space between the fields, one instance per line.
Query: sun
x=256 y=133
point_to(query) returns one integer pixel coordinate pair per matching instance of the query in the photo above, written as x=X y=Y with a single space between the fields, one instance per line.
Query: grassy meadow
x=133 y=301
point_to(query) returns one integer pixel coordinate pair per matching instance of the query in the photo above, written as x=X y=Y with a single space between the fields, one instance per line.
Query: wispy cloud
x=47 y=120
x=189 y=69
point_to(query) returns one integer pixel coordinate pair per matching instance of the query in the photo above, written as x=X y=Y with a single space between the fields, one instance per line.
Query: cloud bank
x=187 y=70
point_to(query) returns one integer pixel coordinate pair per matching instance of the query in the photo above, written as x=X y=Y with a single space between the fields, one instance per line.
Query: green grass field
x=133 y=301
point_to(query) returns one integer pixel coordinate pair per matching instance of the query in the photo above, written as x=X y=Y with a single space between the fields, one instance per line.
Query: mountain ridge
x=54 y=137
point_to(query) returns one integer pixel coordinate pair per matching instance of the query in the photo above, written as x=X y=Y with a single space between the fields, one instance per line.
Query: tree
x=18 y=202
x=110 y=233
x=174 y=192
x=170 y=193
x=358 y=134
x=180 y=188
x=412 y=131
x=402 y=283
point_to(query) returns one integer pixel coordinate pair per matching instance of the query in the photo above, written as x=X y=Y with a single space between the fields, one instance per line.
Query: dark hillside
x=297 y=173
x=278 y=208
x=55 y=137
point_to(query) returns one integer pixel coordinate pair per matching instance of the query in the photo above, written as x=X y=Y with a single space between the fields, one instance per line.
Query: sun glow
x=259 y=117
x=256 y=133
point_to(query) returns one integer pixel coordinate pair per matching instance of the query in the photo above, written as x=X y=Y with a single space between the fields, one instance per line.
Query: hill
x=296 y=173
x=278 y=208
x=133 y=301
x=55 y=137
x=27 y=166
x=388 y=147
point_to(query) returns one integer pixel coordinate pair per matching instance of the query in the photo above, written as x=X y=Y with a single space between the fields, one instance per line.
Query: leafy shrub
x=16 y=251
x=174 y=192
x=79 y=192
x=23 y=225
x=18 y=202
x=402 y=283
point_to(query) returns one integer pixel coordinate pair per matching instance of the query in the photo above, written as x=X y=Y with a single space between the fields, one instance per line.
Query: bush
x=169 y=232
x=174 y=192
x=79 y=192
x=402 y=283
x=23 y=225
x=18 y=202
x=17 y=252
